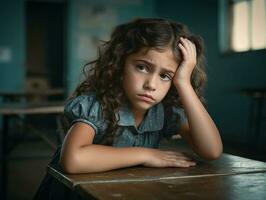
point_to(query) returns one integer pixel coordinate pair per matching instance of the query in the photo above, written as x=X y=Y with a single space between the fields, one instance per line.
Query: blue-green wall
x=120 y=11
x=12 y=37
x=227 y=73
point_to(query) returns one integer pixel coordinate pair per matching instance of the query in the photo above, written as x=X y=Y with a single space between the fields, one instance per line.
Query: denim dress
x=158 y=122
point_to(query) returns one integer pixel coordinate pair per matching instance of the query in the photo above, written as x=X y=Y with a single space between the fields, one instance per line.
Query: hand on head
x=185 y=68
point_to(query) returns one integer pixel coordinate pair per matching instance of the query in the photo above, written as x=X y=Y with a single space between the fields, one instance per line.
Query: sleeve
x=86 y=109
x=174 y=118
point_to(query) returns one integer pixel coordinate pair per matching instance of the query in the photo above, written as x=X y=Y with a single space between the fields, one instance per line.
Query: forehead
x=160 y=58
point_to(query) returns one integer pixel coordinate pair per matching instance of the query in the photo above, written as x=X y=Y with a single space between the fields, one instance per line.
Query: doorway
x=45 y=45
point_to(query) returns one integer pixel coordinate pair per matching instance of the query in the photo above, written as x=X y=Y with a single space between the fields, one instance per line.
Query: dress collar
x=153 y=120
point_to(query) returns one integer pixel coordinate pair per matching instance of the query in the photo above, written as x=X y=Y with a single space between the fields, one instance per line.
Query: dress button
x=92 y=118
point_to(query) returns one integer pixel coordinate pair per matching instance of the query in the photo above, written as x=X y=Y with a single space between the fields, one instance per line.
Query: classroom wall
x=227 y=72
x=89 y=21
x=12 y=45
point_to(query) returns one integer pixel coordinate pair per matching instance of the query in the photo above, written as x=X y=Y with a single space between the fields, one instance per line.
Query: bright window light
x=258 y=37
x=244 y=26
x=240 y=27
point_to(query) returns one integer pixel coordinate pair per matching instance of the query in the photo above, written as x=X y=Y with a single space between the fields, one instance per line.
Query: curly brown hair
x=103 y=76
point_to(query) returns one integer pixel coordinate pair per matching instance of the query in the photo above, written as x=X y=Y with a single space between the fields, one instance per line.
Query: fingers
x=176 y=153
x=190 y=46
x=179 y=163
x=183 y=50
x=177 y=159
x=187 y=47
x=186 y=43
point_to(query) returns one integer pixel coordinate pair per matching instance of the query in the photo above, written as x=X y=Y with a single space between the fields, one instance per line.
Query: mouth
x=146 y=98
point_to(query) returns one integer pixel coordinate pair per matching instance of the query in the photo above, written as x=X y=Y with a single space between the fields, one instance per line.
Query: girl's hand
x=184 y=70
x=158 y=158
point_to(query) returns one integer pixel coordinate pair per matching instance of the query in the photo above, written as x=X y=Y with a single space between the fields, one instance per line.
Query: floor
x=26 y=173
x=26 y=168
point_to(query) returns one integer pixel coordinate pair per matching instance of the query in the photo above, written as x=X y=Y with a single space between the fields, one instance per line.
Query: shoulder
x=86 y=109
x=85 y=99
x=82 y=103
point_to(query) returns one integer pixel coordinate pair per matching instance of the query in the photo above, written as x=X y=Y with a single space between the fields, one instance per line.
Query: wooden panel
x=244 y=186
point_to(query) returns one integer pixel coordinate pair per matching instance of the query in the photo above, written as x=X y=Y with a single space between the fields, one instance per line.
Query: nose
x=150 y=83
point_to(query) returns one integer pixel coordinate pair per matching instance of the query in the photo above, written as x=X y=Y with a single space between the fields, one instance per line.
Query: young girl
x=146 y=83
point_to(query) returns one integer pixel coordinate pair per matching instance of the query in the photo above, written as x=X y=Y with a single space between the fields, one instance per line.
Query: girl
x=147 y=82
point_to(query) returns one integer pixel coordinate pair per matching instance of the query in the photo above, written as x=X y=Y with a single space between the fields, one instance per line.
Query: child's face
x=147 y=77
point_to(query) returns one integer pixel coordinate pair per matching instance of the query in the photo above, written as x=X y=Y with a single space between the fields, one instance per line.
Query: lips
x=146 y=98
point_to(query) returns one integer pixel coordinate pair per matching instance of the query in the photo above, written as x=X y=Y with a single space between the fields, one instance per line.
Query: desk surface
x=21 y=94
x=39 y=108
x=226 y=165
x=240 y=186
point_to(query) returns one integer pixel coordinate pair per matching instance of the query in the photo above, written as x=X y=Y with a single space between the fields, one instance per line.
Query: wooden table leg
x=4 y=156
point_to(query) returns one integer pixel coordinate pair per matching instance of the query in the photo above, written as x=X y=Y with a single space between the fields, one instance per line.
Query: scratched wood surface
x=226 y=165
x=239 y=186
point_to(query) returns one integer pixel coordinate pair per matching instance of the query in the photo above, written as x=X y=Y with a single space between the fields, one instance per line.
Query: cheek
x=165 y=88
x=132 y=78
x=129 y=81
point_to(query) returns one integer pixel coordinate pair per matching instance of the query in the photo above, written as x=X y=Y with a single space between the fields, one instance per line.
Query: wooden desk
x=11 y=110
x=169 y=183
x=238 y=186
x=226 y=165
x=32 y=109
x=19 y=95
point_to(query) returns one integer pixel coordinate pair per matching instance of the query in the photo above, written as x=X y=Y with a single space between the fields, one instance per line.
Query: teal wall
x=12 y=37
x=12 y=27
x=81 y=29
x=227 y=72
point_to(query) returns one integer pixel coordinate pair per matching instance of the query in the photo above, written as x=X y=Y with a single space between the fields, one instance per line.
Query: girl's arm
x=79 y=155
x=200 y=131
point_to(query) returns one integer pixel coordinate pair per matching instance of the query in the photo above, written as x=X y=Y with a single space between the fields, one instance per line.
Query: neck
x=138 y=116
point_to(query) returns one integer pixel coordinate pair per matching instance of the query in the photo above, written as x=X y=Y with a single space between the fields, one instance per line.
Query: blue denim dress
x=158 y=122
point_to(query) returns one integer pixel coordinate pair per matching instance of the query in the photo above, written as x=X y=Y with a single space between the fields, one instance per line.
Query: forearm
x=204 y=134
x=98 y=158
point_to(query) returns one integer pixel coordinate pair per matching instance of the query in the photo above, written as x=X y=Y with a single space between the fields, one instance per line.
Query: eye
x=166 y=77
x=142 y=68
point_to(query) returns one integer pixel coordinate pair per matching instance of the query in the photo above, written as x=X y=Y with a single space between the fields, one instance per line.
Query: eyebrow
x=152 y=64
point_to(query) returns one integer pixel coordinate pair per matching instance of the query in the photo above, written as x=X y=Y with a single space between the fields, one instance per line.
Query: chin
x=143 y=106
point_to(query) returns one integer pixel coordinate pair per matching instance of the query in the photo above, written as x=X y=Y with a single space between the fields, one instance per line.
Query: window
x=242 y=25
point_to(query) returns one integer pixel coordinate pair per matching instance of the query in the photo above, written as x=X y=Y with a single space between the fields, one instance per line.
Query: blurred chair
x=35 y=86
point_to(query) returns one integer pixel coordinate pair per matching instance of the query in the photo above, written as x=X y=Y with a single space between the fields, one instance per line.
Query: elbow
x=214 y=151
x=214 y=154
x=69 y=165
x=211 y=153
x=68 y=169
x=74 y=165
